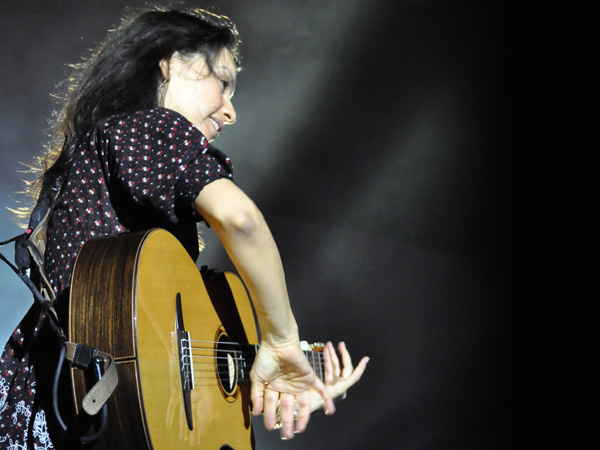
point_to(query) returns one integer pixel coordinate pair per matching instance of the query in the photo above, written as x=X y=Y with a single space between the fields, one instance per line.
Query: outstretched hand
x=282 y=378
x=338 y=377
x=286 y=389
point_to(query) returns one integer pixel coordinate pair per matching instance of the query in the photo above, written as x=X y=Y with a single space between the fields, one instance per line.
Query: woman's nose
x=229 y=111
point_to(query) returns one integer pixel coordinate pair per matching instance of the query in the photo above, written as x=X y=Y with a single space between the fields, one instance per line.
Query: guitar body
x=124 y=302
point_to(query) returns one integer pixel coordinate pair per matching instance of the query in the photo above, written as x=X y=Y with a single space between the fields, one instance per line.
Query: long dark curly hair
x=123 y=76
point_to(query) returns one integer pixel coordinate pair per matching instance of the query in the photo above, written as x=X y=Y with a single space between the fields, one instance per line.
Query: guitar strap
x=82 y=356
x=29 y=250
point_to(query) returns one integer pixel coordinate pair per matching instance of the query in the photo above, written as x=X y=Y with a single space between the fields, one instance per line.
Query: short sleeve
x=156 y=163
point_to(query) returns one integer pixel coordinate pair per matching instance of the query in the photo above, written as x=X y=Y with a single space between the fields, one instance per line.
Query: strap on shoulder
x=36 y=242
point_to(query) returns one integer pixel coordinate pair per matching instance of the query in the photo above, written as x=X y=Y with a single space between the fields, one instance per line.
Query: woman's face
x=202 y=97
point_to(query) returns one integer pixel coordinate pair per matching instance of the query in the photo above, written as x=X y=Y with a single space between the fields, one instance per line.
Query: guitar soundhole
x=227 y=365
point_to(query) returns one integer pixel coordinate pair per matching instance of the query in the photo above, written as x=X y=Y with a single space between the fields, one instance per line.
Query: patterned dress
x=136 y=172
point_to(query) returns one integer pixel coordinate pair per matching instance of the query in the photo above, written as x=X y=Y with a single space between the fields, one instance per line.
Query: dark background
x=374 y=135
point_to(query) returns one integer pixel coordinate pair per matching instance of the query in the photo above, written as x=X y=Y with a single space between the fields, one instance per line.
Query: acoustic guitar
x=183 y=342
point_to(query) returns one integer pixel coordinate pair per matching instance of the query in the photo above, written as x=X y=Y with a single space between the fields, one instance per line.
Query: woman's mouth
x=215 y=125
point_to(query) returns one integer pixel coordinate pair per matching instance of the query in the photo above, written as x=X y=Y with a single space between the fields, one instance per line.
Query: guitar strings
x=310 y=354
x=315 y=358
x=219 y=342
x=204 y=364
x=198 y=359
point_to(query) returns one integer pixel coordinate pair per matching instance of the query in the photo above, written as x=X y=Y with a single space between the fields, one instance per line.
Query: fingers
x=271 y=399
x=357 y=373
x=328 y=405
x=287 y=412
x=257 y=390
x=286 y=400
x=303 y=412
x=287 y=404
x=328 y=365
x=332 y=363
x=346 y=360
x=294 y=414
x=338 y=383
x=335 y=362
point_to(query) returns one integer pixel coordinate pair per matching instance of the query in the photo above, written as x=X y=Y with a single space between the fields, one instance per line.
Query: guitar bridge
x=186 y=364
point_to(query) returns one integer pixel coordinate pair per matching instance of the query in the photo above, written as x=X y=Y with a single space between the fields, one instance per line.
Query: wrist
x=281 y=336
x=278 y=328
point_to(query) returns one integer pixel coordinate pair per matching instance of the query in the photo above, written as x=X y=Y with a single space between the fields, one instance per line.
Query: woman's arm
x=281 y=373
x=250 y=245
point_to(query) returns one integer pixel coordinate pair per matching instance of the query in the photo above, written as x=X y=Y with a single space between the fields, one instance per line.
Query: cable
x=52 y=320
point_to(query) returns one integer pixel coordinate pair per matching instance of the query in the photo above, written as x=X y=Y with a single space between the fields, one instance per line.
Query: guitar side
x=125 y=291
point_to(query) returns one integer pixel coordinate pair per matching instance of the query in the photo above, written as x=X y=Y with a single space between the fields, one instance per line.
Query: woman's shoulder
x=151 y=120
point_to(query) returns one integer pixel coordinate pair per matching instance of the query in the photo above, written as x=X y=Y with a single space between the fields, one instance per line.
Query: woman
x=131 y=152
